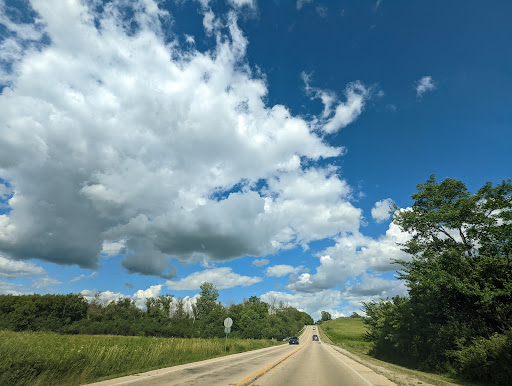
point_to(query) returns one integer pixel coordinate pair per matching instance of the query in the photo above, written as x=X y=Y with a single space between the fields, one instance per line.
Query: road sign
x=228 y=322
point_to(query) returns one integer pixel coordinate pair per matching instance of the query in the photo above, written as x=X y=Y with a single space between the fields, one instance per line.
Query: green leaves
x=459 y=278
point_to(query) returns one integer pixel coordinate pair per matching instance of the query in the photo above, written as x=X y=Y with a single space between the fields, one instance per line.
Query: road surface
x=310 y=363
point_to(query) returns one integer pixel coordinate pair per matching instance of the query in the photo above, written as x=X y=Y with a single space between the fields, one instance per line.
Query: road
x=310 y=363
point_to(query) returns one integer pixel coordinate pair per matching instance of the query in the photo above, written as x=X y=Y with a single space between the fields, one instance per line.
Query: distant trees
x=165 y=316
x=325 y=316
x=41 y=312
x=458 y=314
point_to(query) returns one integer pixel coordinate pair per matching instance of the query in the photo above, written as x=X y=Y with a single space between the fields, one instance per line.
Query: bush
x=487 y=360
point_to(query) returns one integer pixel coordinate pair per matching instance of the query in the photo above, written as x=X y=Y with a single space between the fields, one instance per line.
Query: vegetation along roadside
x=46 y=358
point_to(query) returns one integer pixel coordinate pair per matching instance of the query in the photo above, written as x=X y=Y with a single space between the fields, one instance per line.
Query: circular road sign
x=228 y=322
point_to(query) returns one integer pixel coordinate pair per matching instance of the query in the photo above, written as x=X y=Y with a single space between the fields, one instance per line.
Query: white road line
x=346 y=364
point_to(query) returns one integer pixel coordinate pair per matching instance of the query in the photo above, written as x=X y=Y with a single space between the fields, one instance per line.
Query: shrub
x=487 y=360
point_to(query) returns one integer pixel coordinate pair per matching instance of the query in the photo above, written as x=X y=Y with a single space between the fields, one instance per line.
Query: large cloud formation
x=115 y=132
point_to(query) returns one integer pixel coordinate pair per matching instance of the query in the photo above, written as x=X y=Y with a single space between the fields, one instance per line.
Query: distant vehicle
x=314 y=328
x=315 y=337
x=293 y=340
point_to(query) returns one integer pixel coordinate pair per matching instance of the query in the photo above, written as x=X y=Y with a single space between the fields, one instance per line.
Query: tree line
x=457 y=316
x=164 y=316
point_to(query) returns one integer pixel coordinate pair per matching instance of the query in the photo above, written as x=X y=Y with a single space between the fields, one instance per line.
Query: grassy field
x=347 y=332
x=35 y=358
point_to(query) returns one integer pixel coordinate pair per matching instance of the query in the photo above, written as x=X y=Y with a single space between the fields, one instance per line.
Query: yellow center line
x=252 y=378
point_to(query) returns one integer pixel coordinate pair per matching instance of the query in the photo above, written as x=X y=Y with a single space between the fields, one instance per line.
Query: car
x=315 y=337
x=293 y=340
x=314 y=328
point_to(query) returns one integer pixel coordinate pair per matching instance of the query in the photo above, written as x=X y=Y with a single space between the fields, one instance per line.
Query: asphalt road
x=310 y=363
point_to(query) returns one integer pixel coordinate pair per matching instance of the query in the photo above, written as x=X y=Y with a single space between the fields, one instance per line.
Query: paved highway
x=310 y=363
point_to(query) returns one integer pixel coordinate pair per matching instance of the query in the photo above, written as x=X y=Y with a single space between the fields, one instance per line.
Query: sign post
x=228 y=322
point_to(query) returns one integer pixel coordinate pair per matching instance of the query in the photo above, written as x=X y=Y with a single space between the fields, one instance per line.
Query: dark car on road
x=293 y=340
x=315 y=337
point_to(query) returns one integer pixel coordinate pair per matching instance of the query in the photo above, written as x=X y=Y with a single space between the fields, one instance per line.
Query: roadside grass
x=348 y=333
x=40 y=358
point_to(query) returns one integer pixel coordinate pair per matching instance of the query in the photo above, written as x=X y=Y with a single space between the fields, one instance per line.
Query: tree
x=207 y=300
x=459 y=276
x=325 y=316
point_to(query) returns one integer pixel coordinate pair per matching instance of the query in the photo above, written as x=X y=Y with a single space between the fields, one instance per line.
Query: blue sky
x=149 y=146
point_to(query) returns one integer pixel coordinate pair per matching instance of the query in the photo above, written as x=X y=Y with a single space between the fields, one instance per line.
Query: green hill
x=347 y=332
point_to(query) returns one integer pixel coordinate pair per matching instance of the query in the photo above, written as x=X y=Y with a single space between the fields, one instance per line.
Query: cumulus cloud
x=282 y=270
x=141 y=296
x=115 y=141
x=221 y=278
x=352 y=255
x=11 y=269
x=381 y=209
x=260 y=262
x=425 y=84
x=372 y=288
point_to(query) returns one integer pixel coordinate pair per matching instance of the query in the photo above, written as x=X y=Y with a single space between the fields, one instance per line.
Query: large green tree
x=459 y=275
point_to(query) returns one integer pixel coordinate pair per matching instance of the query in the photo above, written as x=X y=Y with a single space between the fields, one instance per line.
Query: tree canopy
x=459 y=279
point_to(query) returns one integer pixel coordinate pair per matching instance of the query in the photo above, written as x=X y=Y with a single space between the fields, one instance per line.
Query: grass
x=348 y=333
x=38 y=358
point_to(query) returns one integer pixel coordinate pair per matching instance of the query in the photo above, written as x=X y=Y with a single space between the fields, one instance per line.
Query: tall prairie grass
x=37 y=358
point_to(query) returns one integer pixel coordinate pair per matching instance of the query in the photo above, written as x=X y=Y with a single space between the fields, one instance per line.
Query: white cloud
x=141 y=296
x=301 y=3
x=45 y=282
x=381 y=209
x=8 y=288
x=282 y=270
x=112 y=248
x=321 y=11
x=352 y=255
x=260 y=262
x=158 y=146
x=221 y=278
x=11 y=269
x=83 y=276
x=311 y=303
x=337 y=115
x=104 y=297
x=243 y=3
x=138 y=297
x=372 y=288
x=425 y=84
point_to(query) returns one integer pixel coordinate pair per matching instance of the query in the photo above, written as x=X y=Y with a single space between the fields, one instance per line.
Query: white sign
x=228 y=322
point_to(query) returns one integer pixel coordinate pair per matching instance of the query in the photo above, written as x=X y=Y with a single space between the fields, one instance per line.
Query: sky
x=149 y=146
